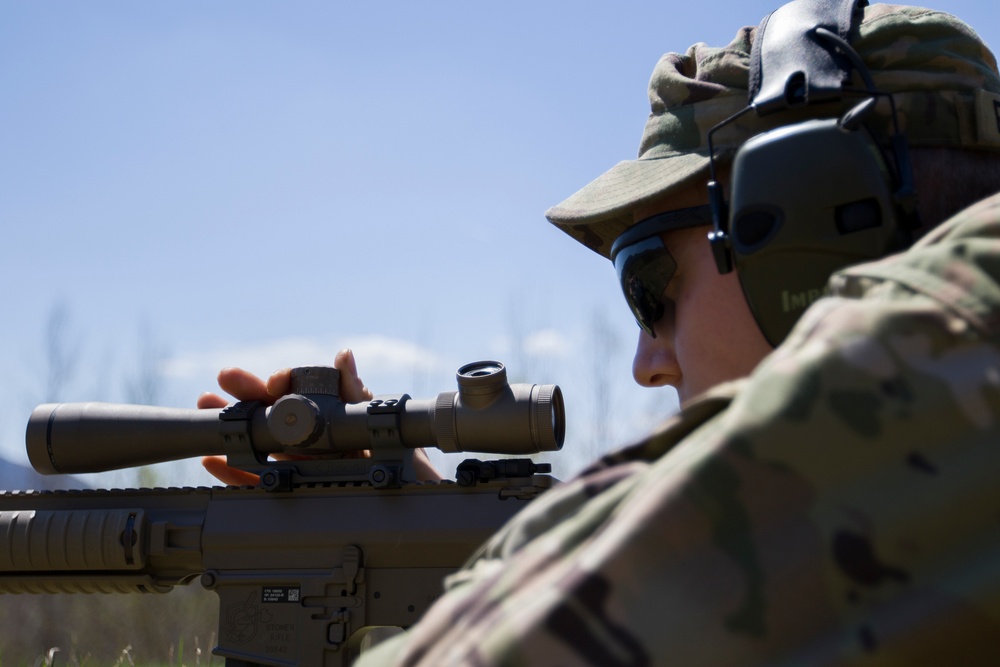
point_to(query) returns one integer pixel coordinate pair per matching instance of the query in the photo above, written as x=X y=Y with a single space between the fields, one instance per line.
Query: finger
x=280 y=383
x=352 y=389
x=243 y=385
x=218 y=468
x=423 y=468
x=210 y=400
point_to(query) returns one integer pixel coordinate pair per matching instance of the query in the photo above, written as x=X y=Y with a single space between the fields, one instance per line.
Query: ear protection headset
x=815 y=196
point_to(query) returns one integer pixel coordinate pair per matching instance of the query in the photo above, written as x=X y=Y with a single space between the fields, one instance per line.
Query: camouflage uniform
x=839 y=506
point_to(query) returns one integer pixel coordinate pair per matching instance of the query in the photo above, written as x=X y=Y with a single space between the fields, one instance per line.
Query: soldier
x=833 y=501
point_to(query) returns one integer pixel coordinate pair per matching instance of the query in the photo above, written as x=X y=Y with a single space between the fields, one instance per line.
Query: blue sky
x=262 y=183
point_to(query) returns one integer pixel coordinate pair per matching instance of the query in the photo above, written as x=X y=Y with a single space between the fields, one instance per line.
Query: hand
x=245 y=386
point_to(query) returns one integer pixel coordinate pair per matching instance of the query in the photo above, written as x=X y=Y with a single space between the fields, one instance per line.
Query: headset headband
x=800 y=71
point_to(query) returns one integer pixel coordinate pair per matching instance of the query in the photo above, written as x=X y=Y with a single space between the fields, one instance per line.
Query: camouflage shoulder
x=978 y=220
x=690 y=418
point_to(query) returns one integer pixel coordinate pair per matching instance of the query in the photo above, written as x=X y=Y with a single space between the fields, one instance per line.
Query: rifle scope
x=486 y=414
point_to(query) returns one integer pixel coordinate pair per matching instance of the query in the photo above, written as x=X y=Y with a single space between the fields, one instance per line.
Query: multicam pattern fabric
x=839 y=507
x=942 y=76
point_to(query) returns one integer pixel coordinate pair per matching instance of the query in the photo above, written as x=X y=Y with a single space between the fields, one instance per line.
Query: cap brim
x=596 y=214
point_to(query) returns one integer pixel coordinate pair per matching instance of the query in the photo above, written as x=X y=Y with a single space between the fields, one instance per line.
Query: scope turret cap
x=943 y=78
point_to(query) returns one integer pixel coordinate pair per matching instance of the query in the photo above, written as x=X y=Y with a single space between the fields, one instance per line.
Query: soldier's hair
x=948 y=180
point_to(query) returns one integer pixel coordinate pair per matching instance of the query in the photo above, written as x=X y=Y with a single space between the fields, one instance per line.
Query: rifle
x=326 y=555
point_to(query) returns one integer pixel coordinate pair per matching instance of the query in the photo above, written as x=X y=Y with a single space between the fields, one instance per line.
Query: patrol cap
x=942 y=76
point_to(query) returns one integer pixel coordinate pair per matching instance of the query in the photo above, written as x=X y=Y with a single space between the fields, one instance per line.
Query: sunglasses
x=644 y=264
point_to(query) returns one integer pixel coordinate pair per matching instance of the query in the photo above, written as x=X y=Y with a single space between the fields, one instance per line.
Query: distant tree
x=62 y=352
x=518 y=365
x=605 y=350
x=145 y=385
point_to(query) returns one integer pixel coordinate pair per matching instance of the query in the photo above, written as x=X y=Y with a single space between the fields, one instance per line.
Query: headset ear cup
x=807 y=200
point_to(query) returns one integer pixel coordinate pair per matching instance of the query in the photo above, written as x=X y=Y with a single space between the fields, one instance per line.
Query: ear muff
x=807 y=200
x=813 y=197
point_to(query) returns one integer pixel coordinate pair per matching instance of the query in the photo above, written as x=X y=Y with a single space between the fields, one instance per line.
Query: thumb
x=352 y=389
x=216 y=465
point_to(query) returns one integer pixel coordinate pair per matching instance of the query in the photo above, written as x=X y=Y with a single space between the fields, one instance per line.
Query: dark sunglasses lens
x=644 y=269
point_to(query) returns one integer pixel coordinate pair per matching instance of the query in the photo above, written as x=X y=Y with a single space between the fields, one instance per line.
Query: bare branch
x=62 y=352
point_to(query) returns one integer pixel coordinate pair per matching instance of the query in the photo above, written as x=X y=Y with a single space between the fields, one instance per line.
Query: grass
x=56 y=657
x=77 y=630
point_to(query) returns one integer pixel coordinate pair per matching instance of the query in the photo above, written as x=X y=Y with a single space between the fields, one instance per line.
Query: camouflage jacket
x=839 y=507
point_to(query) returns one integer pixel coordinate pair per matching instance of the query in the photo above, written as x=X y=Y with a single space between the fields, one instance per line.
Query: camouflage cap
x=942 y=76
